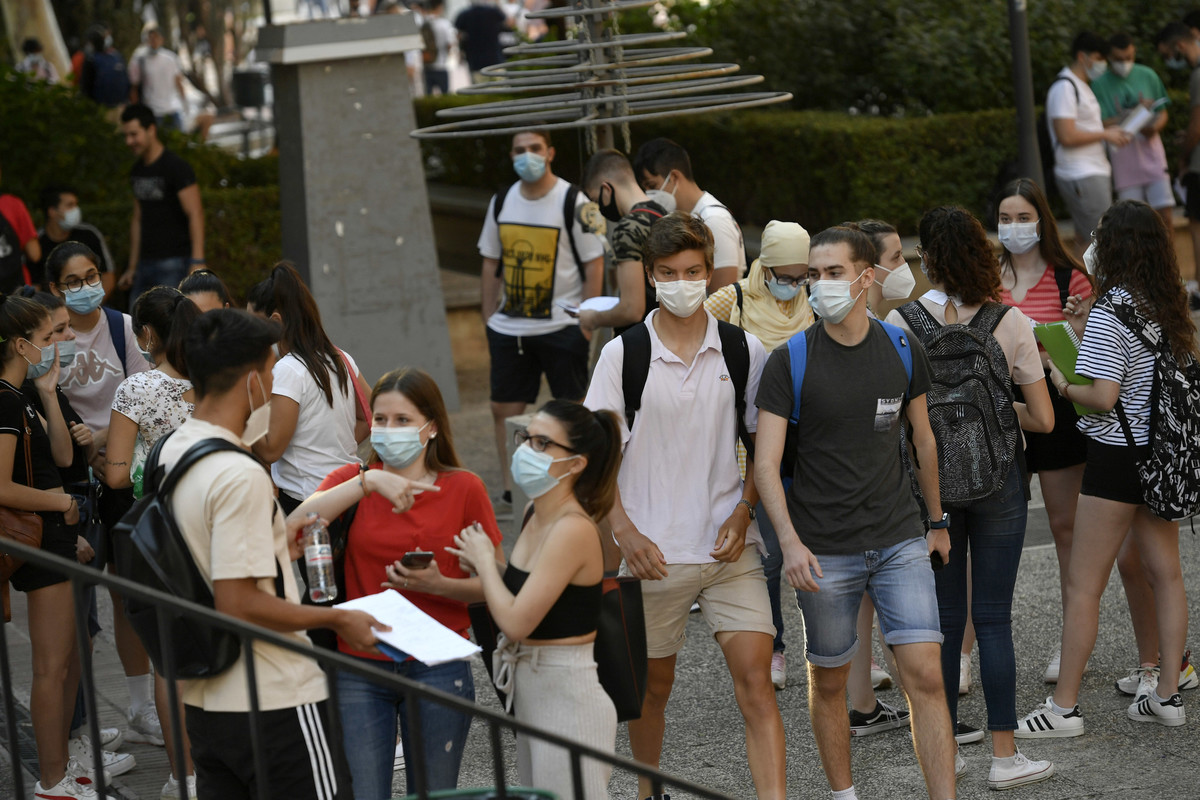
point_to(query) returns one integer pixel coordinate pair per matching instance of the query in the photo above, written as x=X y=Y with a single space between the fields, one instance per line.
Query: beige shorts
x=732 y=597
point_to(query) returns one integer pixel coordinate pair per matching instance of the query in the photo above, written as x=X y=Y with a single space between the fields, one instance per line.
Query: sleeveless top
x=576 y=611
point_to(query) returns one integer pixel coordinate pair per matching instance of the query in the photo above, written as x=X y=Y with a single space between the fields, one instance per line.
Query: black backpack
x=1170 y=474
x=110 y=86
x=568 y=212
x=429 y=48
x=970 y=402
x=636 y=368
x=149 y=549
x=10 y=255
x=1046 y=142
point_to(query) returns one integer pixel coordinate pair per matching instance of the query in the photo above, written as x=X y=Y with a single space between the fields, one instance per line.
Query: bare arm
x=430 y=580
x=362 y=424
x=241 y=598
x=593 y=283
x=189 y=198
x=1101 y=395
x=731 y=537
x=62 y=445
x=118 y=457
x=285 y=413
x=33 y=252
x=798 y=561
x=631 y=283
x=642 y=556
x=926 y=466
x=490 y=287
x=20 y=496
x=723 y=276
x=1069 y=134
x=1036 y=414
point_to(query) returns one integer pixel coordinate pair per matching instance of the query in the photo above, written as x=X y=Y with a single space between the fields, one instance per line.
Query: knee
x=1062 y=526
x=924 y=678
x=827 y=684
x=658 y=689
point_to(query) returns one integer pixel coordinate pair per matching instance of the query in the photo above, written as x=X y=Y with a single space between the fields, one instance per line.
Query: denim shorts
x=899 y=580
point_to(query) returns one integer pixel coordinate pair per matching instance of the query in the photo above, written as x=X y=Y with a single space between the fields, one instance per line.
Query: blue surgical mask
x=39 y=369
x=146 y=355
x=398 y=447
x=86 y=300
x=531 y=471
x=66 y=353
x=530 y=167
x=783 y=293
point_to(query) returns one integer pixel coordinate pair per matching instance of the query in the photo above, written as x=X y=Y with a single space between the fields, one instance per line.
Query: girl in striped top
x=1035 y=267
x=1134 y=260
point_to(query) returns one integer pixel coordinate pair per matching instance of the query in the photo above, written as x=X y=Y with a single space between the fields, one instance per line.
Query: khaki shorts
x=732 y=597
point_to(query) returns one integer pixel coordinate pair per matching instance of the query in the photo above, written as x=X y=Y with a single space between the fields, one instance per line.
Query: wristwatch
x=941 y=524
x=749 y=508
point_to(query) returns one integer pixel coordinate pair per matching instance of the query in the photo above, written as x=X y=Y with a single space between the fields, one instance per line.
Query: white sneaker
x=85 y=773
x=778 y=670
x=111 y=739
x=960 y=765
x=1169 y=712
x=170 y=790
x=964 y=673
x=80 y=749
x=1043 y=723
x=398 y=757
x=69 y=789
x=1136 y=678
x=1051 y=675
x=1018 y=771
x=880 y=679
x=145 y=728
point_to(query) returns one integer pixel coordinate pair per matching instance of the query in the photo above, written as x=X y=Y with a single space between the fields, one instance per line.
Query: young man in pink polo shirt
x=683 y=516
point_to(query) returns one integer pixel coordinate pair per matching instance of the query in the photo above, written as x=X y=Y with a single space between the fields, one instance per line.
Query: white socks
x=141 y=692
x=845 y=794
x=1057 y=709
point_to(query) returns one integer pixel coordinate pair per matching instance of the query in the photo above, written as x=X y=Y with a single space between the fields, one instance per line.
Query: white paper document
x=413 y=631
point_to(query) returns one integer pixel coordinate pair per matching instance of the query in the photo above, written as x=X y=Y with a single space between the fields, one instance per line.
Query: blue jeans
x=772 y=563
x=153 y=272
x=993 y=532
x=900 y=582
x=369 y=715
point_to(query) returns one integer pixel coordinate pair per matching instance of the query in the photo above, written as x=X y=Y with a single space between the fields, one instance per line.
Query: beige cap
x=783 y=243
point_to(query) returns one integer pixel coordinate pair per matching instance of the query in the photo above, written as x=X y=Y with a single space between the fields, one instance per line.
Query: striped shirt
x=1110 y=351
x=1042 y=303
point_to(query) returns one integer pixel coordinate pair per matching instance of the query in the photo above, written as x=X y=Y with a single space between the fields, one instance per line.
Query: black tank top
x=576 y=611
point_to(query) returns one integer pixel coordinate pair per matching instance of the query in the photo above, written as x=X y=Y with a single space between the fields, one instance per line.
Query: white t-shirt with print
x=1073 y=163
x=154 y=402
x=91 y=382
x=729 y=249
x=535 y=253
x=324 y=436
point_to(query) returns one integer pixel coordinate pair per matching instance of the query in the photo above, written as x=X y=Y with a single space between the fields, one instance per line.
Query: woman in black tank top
x=547 y=602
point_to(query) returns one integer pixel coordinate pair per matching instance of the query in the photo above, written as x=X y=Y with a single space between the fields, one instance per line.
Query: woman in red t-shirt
x=1036 y=269
x=412 y=449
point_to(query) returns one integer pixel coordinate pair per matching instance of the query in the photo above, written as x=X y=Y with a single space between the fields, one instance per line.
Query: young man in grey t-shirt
x=849 y=522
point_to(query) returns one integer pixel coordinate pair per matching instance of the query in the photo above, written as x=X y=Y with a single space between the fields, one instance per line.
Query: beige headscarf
x=773 y=322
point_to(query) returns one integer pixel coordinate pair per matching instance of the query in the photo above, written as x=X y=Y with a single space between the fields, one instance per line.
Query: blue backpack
x=798 y=356
x=110 y=85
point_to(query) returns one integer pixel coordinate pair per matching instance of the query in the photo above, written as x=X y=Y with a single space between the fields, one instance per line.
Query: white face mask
x=72 y=218
x=1096 y=69
x=663 y=197
x=1122 y=68
x=681 y=298
x=1089 y=259
x=832 y=300
x=898 y=283
x=1018 y=237
x=260 y=418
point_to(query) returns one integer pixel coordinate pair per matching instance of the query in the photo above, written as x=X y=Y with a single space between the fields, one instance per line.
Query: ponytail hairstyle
x=423 y=392
x=168 y=313
x=19 y=317
x=596 y=435
x=205 y=280
x=303 y=336
x=51 y=301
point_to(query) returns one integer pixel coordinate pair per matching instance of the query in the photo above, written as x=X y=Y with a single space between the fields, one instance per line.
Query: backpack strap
x=1050 y=122
x=919 y=320
x=1062 y=276
x=988 y=316
x=737 y=288
x=798 y=356
x=635 y=368
x=736 y=351
x=569 y=201
x=899 y=340
x=116 y=331
x=497 y=204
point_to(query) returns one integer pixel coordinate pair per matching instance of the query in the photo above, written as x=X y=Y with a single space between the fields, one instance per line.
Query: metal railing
x=168 y=607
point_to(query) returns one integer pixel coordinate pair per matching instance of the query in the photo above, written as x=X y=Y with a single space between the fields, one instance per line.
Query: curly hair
x=1051 y=246
x=958 y=255
x=1134 y=251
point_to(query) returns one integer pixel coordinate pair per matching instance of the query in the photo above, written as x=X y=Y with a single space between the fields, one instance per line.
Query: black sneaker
x=883 y=718
x=967 y=734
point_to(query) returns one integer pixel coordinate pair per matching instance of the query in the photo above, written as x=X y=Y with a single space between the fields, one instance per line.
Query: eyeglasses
x=74 y=284
x=784 y=280
x=920 y=251
x=537 y=443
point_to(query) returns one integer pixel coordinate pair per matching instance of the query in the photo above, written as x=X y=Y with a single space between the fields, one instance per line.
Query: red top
x=1042 y=302
x=18 y=216
x=378 y=537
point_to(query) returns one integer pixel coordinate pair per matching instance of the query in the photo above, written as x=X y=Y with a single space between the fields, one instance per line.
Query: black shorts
x=304 y=762
x=111 y=505
x=1062 y=447
x=58 y=538
x=1111 y=472
x=1191 y=182
x=519 y=361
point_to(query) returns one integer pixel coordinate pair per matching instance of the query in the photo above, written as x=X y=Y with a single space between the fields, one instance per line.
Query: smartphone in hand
x=416 y=559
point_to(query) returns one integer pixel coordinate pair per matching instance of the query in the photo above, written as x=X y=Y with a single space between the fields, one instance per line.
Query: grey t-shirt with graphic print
x=849 y=491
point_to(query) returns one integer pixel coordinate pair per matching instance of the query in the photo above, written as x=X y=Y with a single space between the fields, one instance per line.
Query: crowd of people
x=744 y=424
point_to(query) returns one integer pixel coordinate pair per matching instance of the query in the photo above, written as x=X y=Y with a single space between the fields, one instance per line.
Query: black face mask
x=609 y=210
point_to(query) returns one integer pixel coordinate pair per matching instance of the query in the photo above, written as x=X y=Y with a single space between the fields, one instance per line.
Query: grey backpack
x=970 y=402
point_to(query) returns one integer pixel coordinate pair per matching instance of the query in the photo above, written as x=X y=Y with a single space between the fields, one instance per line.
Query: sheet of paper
x=413 y=631
x=599 y=303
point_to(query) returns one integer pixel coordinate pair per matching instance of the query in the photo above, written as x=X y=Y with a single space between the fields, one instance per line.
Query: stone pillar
x=354 y=208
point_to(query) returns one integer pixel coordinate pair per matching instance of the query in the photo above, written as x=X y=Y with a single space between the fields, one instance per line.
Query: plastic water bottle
x=318 y=557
